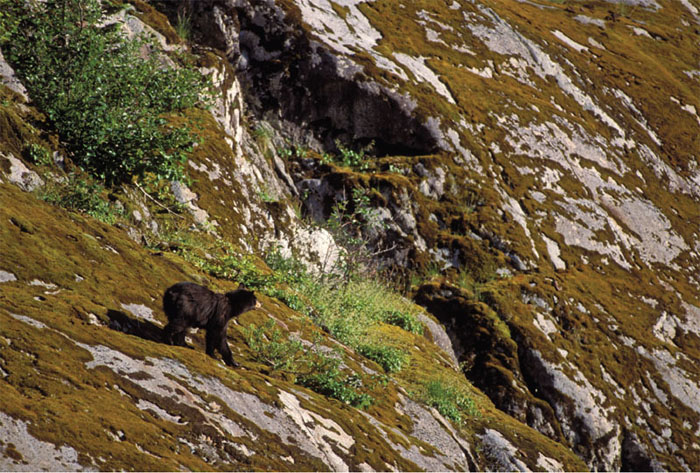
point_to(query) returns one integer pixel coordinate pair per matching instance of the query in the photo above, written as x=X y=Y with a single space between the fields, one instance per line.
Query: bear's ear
x=242 y=286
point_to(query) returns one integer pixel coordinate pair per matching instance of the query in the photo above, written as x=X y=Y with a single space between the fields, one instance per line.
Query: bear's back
x=189 y=301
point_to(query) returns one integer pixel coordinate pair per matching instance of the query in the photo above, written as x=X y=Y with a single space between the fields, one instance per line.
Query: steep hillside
x=526 y=171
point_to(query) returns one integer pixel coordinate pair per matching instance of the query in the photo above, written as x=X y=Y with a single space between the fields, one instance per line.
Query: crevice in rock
x=492 y=358
x=293 y=81
x=529 y=378
x=635 y=457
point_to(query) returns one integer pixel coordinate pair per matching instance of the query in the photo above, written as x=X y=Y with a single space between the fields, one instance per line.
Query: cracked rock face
x=586 y=184
x=536 y=168
x=9 y=78
x=31 y=454
x=20 y=175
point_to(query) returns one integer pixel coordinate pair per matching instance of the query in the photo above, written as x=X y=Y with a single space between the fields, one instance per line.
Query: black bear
x=190 y=305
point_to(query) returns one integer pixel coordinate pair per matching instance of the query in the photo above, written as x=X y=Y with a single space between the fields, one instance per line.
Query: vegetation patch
x=81 y=194
x=449 y=399
x=390 y=358
x=109 y=104
x=310 y=365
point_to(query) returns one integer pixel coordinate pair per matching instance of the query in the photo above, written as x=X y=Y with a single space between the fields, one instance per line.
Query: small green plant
x=8 y=22
x=390 y=358
x=285 y=153
x=159 y=191
x=38 y=154
x=293 y=300
x=82 y=195
x=273 y=349
x=240 y=268
x=326 y=378
x=348 y=309
x=183 y=24
x=292 y=151
x=266 y=196
x=404 y=319
x=301 y=151
x=289 y=270
x=311 y=367
x=354 y=159
x=350 y=221
x=449 y=399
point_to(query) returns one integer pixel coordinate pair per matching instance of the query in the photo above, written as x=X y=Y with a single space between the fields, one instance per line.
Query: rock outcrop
x=533 y=179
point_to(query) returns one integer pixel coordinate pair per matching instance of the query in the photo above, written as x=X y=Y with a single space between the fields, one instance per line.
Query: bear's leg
x=216 y=340
x=180 y=339
x=174 y=333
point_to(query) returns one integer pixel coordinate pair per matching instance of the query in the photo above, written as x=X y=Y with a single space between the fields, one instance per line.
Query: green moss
x=156 y=20
x=15 y=131
x=53 y=245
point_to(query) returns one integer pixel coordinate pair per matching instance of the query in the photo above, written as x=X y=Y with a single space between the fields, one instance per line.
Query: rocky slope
x=534 y=181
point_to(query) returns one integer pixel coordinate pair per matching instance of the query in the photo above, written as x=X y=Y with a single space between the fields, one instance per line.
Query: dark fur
x=190 y=305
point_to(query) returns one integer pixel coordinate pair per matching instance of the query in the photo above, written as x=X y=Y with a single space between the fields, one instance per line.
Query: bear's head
x=242 y=300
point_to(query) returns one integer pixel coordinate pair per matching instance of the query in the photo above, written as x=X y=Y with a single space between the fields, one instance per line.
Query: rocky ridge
x=540 y=161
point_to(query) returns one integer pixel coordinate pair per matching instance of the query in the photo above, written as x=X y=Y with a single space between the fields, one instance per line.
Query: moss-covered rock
x=535 y=194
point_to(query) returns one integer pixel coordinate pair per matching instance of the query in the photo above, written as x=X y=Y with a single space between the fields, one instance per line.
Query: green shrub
x=82 y=195
x=38 y=154
x=449 y=399
x=289 y=270
x=109 y=105
x=404 y=319
x=347 y=309
x=289 y=297
x=326 y=378
x=271 y=349
x=354 y=159
x=239 y=268
x=390 y=358
x=8 y=22
x=311 y=367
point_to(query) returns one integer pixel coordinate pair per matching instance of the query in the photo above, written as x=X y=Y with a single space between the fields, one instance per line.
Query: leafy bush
x=289 y=270
x=392 y=359
x=8 y=23
x=449 y=399
x=354 y=159
x=239 y=268
x=348 y=309
x=404 y=319
x=271 y=349
x=311 y=367
x=38 y=154
x=83 y=195
x=327 y=379
x=109 y=105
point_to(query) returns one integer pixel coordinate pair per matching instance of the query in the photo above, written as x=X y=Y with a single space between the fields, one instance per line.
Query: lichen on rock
x=531 y=190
